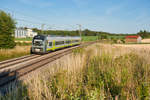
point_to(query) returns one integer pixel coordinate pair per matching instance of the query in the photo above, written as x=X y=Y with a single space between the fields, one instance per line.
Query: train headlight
x=37 y=50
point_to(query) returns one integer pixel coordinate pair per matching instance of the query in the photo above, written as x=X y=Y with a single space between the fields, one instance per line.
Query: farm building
x=23 y=33
x=133 y=39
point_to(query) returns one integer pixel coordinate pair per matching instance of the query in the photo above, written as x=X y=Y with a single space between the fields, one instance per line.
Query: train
x=42 y=44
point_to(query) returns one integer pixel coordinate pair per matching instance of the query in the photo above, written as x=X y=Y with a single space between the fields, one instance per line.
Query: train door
x=49 y=45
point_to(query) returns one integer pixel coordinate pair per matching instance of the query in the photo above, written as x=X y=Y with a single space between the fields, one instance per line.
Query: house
x=30 y=33
x=24 y=33
x=133 y=39
x=20 y=33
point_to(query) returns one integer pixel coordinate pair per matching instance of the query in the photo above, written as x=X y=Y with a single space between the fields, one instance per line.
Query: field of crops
x=97 y=72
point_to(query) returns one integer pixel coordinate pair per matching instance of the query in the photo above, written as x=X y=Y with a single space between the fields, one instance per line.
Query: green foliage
x=144 y=34
x=85 y=32
x=123 y=41
x=7 y=41
x=78 y=51
x=111 y=37
x=89 y=38
x=18 y=51
x=97 y=80
x=23 y=44
x=23 y=39
x=103 y=76
x=7 y=29
x=115 y=40
x=104 y=36
x=21 y=93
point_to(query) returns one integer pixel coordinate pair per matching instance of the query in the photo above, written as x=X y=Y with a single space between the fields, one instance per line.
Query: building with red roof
x=133 y=39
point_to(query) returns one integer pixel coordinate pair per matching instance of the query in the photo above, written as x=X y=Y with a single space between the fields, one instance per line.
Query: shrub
x=7 y=28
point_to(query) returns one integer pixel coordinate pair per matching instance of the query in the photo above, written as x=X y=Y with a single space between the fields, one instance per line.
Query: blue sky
x=115 y=16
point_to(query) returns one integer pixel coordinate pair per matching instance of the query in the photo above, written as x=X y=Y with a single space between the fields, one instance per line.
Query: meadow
x=96 y=72
x=89 y=38
x=18 y=51
x=23 y=39
x=84 y=38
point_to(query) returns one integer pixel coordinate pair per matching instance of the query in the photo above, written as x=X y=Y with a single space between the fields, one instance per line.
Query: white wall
x=139 y=39
x=22 y=33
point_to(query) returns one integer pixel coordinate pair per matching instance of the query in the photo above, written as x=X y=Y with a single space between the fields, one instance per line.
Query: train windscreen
x=39 y=37
x=38 y=40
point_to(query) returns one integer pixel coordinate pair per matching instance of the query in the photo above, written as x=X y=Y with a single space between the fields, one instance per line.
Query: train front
x=38 y=44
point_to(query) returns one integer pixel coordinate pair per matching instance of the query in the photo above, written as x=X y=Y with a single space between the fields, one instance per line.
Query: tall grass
x=13 y=53
x=97 y=72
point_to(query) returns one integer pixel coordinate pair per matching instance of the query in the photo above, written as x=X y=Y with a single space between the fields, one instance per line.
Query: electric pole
x=80 y=31
x=42 y=28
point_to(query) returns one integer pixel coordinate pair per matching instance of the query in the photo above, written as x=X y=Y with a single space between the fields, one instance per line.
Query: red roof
x=133 y=36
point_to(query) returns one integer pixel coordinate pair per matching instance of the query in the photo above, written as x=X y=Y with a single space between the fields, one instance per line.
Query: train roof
x=51 y=38
x=63 y=38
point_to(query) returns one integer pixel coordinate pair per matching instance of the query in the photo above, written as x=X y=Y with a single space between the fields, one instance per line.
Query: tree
x=104 y=36
x=144 y=34
x=7 y=30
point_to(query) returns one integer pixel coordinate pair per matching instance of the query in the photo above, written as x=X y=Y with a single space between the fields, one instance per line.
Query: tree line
x=85 y=32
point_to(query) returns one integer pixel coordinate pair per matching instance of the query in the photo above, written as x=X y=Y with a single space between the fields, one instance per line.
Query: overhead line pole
x=80 y=30
x=42 y=28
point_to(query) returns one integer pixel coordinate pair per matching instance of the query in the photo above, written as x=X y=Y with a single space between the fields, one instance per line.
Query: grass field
x=97 y=72
x=23 y=39
x=18 y=51
x=116 y=37
x=89 y=38
x=84 y=38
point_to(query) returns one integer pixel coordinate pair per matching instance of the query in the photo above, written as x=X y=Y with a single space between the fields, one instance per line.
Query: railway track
x=8 y=63
x=9 y=74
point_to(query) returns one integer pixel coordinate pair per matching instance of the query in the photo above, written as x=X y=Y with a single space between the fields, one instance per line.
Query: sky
x=115 y=16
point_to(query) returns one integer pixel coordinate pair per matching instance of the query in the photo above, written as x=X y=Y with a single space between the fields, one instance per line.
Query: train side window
x=73 y=41
x=59 y=42
x=50 y=43
x=68 y=41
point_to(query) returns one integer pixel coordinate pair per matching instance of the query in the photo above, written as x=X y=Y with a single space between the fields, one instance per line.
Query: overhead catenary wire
x=39 y=23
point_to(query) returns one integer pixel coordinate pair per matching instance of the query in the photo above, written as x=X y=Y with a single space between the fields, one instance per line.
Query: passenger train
x=42 y=44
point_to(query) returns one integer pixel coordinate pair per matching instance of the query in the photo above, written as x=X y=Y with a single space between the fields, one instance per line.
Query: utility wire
x=24 y=15
x=14 y=13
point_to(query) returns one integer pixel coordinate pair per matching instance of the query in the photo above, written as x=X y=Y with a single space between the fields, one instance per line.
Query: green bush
x=7 y=29
x=23 y=44
x=7 y=41
x=123 y=41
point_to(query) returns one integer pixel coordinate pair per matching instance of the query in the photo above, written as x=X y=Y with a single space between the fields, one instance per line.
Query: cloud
x=37 y=3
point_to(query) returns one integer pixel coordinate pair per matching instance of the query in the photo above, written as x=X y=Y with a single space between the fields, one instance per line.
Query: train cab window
x=37 y=43
x=50 y=43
